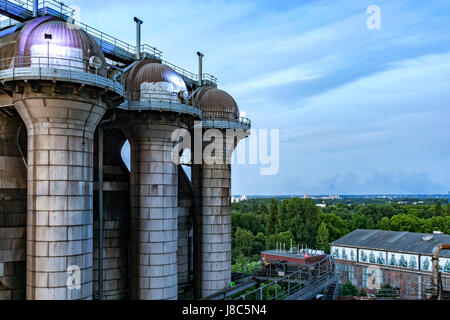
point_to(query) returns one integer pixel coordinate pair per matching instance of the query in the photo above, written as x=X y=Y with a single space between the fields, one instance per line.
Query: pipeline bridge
x=282 y=282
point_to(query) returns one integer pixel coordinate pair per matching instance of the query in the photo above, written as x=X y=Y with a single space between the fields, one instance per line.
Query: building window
x=347 y=272
x=351 y=274
x=364 y=276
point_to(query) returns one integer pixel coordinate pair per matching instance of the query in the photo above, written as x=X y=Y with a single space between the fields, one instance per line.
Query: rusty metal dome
x=217 y=104
x=52 y=37
x=149 y=72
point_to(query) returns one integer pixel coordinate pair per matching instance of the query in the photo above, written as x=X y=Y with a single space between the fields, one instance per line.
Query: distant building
x=239 y=199
x=371 y=258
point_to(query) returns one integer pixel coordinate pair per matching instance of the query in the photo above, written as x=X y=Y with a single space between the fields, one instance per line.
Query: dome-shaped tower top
x=58 y=42
x=217 y=104
x=151 y=77
x=61 y=39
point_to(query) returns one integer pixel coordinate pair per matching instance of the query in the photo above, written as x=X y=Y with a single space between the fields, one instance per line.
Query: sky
x=359 y=111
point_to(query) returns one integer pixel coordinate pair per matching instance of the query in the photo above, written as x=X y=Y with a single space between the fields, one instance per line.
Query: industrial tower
x=75 y=223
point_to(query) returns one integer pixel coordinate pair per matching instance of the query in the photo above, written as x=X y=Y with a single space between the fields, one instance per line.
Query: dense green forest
x=258 y=224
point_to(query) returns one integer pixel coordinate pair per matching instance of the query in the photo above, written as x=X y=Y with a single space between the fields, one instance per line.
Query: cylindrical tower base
x=154 y=202
x=60 y=192
x=213 y=229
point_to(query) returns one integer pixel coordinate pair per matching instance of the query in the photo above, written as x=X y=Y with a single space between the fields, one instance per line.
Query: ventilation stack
x=13 y=207
x=212 y=185
x=61 y=94
x=156 y=108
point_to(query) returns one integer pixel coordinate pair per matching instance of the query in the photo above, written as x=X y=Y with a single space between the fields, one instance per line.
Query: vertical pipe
x=100 y=212
x=435 y=264
x=138 y=37
x=200 y=68
x=35 y=8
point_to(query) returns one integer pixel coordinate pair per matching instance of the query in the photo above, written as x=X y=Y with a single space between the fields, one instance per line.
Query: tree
x=273 y=214
x=263 y=209
x=358 y=221
x=383 y=224
x=438 y=209
x=244 y=241
x=280 y=238
x=322 y=241
x=336 y=226
x=370 y=223
x=302 y=220
x=406 y=222
x=436 y=223
x=386 y=291
x=250 y=221
x=271 y=242
x=285 y=238
x=259 y=243
x=253 y=205
x=348 y=290
x=448 y=209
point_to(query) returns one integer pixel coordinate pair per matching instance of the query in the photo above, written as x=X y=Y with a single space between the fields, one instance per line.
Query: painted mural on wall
x=372 y=256
x=403 y=260
x=426 y=265
x=342 y=253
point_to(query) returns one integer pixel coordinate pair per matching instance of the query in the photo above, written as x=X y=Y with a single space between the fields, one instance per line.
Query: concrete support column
x=13 y=209
x=154 y=207
x=212 y=181
x=60 y=192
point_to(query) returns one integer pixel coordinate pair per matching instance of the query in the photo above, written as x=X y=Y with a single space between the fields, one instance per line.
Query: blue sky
x=359 y=111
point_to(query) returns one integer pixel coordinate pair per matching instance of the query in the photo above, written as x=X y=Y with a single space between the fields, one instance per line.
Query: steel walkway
x=113 y=48
x=303 y=284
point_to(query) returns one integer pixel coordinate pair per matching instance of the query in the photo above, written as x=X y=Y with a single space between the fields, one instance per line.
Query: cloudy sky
x=359 y=111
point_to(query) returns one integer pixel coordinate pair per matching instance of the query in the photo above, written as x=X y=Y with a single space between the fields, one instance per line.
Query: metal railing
x=215 y=121
x=242 y=271
x=15 y=5
x=147 y=49
x=245 y=121
x=109 y=44
x=304 y=279
x=161 y=101
x=60 y=69
x=206 y=77
x=55 y=8
x=55 y=62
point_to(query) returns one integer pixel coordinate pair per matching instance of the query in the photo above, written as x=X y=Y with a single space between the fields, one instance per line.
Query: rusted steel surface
x=435 y=261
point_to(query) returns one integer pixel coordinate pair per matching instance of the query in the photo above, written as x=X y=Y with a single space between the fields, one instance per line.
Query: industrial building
x=75 y=223
x=371 y=258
